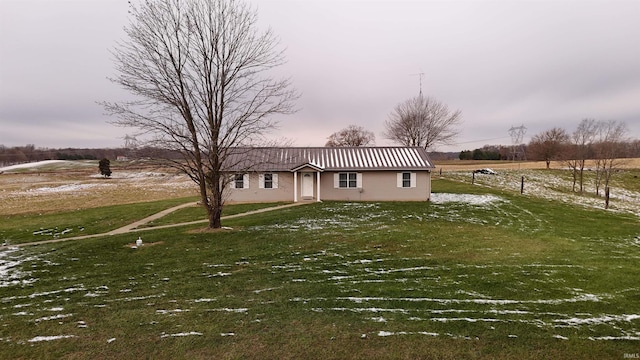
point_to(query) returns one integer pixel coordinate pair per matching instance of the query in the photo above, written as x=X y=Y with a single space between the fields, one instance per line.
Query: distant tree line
x=31 y=153
x=488 y=152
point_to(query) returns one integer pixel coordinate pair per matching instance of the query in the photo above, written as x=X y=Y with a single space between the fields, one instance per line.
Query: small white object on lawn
x=139 y=242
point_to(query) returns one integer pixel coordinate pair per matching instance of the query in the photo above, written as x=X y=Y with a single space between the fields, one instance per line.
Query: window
x=240 y=181
x=268 y=181
x=406 y=179
x=348 y=180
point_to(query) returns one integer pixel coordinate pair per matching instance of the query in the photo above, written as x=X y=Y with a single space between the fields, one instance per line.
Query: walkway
x=135 y=226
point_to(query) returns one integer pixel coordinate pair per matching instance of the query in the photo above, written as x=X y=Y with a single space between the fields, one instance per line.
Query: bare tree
x=352 y=135
x=582 y=139
x=422 y=121
x=609 y=148
x=549 y=145
x=199 y=73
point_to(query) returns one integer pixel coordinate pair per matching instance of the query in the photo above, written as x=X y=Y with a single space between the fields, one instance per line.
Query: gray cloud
x=503 y=63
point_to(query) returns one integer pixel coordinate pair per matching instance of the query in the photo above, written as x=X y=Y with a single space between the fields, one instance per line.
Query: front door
x=307 y=186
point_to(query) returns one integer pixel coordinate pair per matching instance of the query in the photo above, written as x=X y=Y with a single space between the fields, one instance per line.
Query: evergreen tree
x=105 y=167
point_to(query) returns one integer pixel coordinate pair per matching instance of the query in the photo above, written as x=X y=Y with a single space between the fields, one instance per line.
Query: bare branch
x=352 y=135
x=199 y=72
x=424 y=122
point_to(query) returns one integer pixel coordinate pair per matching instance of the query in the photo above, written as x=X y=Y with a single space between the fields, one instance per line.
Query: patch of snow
x=267 y=289
x=33 y=164
x=204 y=300
x=389 y=333
x=172 y=312
x=240 y=310
x=604 y=319
x=379 y=319
x=10 y=261
x=471 y=320
x=471 y=199
x=54 y=317
x=628 y=337
x=219 y=274
x=67 y=188
x=191 y=333
x=109 y=341
x=50 y=338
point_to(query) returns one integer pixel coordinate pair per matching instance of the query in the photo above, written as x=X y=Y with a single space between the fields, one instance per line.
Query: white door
x=307 y=186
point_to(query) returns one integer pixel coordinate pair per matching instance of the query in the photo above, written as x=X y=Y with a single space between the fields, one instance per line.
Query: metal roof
x=329 y=158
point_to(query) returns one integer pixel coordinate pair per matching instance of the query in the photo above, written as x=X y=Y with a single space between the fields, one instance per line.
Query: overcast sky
x=539 y=64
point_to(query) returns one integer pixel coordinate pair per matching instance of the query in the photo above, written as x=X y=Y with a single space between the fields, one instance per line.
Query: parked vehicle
x=486 y=171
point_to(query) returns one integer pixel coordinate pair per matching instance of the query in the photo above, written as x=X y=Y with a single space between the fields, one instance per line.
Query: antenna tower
x=130 y=142
x=420 y=75
x=517 y=147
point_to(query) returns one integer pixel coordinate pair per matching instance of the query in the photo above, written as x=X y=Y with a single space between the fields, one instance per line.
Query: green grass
x=195 y=213
x=511 y=279
x=16 y=229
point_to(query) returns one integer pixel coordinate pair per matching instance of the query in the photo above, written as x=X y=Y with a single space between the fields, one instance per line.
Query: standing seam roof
x=328 y=158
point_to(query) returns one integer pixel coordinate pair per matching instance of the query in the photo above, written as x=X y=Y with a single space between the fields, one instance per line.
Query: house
x=326 y=173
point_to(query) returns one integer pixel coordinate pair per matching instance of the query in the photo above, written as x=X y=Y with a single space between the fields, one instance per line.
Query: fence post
x=606 y=197
x=473 y=178
x=522 y=186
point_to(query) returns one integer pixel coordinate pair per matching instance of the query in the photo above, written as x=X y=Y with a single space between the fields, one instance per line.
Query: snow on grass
x=54 y=317
x=549 y=185
x=36 y=164
x=182 y=334
x=383 y=333
x=76 y=187
x=171 y=312
x=10 y=274
x=470 y=199
x=50 y=338
x=604 y=319
x=230 y=310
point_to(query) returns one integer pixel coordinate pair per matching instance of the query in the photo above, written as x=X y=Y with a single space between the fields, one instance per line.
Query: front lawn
x=489 y=275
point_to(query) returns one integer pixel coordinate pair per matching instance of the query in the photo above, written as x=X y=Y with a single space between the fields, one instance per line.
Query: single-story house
x=328 y=173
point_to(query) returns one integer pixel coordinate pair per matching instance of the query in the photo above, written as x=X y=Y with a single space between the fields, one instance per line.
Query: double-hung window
x=268 y=181
x=240 y=181
x=406 y=179
x=348 y=180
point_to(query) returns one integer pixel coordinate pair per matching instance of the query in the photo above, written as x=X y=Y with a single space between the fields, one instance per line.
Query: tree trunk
x=215 y=215
x=214 y=210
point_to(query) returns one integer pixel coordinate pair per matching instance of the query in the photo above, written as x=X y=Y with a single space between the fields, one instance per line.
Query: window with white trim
x=268 y=181
x=347 y=180
x=240 y=181
x=406 y=179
